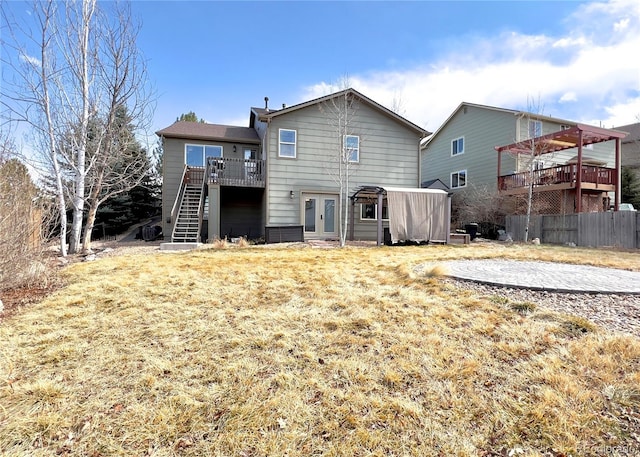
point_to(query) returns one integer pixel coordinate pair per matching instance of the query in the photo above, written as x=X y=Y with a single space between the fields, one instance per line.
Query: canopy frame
x=377 y=195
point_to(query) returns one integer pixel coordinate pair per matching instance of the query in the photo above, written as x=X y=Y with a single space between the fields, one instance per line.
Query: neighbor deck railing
x=558 y=175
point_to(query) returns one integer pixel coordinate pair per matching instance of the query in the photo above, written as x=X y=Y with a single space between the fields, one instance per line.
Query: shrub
x=21 y=254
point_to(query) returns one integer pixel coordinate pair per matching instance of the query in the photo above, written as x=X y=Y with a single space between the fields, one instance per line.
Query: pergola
x=574 y=137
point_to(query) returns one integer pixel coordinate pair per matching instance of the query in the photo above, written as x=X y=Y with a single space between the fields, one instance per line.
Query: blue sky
x=576 y=60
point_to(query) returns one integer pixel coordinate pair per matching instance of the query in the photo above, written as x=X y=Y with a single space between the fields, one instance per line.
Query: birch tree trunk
x=82 y=73
x=340 y=112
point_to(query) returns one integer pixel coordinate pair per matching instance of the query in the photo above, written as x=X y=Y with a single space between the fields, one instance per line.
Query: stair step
x=187 y=224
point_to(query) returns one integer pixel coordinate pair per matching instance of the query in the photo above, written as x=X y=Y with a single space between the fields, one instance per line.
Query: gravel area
x=615 y=312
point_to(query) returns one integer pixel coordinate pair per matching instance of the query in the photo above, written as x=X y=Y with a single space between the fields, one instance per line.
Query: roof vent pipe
x=266 y=103
x=284 y=105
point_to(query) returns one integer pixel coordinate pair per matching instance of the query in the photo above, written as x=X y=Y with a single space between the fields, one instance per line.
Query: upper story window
x=459 y=179
x=535 y=129
x=195 y=155
x=457 y=146
x=352 y=145
x=287 y=143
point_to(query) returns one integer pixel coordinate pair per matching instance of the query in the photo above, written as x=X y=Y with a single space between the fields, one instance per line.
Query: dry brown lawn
x=311 y=352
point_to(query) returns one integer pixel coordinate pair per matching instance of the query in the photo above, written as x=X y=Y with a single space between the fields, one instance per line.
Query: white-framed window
x=287 y=143
x=369 y=212
x=459 y=179
x=352 y=145
x=535 y=129
x=565 y=127
x=196 y=155
x=457 y=146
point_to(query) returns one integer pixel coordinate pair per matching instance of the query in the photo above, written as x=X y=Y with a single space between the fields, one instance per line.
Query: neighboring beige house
x=462 y=153
x=274 y=179
x=631 y=146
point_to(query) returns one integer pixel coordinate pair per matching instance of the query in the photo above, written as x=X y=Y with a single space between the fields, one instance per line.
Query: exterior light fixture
x=291 y=194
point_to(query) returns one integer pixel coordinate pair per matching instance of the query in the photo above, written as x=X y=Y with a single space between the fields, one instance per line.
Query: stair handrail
x=205 y=179
x=180 y=193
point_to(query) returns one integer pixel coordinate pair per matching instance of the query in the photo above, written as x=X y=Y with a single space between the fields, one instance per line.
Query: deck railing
x=236 y=172
x=194 y=175
x=560 y=174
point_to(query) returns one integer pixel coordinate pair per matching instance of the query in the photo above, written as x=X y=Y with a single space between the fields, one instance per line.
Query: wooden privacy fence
x=618 y=229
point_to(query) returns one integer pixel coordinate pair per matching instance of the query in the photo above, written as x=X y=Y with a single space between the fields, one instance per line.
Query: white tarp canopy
x=415 y=214
x=418 y=214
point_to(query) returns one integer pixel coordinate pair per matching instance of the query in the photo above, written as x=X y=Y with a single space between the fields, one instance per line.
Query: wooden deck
x=559 y=177
x=229 y=172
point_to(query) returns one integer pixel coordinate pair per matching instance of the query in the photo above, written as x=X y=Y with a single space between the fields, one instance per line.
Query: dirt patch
x=14 y=299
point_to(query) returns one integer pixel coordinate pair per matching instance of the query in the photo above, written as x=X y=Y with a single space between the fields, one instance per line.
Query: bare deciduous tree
x=479 y=203
x=532 y=160
x=341 y=112
x=118 y=164
x=88 y=68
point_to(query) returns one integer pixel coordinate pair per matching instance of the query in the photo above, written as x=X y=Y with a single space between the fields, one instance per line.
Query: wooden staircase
x=189 y=218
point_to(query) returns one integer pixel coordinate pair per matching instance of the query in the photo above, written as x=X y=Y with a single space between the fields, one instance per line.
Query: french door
x=320 y=221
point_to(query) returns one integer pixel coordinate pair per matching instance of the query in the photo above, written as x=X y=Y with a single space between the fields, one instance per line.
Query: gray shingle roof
x=633 y=130
x=265 y=114
x=203 y=131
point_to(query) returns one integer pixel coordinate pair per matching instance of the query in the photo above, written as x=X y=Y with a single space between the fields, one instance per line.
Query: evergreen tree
x=630 y=184
x=136 y=204
x=189 y=117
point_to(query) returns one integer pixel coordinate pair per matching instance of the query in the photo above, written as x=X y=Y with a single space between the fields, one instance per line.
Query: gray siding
x=172 y=169
x=482 y=129
x=389 y=155
x=260 y=128
x=173 y=166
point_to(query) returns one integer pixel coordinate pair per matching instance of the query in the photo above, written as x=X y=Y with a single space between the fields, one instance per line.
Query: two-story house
x=278 y=175
x=462 y=153
x=631 y=147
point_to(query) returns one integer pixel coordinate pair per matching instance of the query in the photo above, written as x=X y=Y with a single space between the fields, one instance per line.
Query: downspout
x=352 y=219
x=419 y=162
x=267 y=162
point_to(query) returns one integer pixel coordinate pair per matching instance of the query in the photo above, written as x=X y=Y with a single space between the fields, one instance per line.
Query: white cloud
x=570 y=42
x=591 y=67
x=30 y=60
x=624 y=113
x=621 y=25
x=568 y=97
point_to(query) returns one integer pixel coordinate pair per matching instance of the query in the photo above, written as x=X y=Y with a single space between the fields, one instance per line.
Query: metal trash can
x=471 y=230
